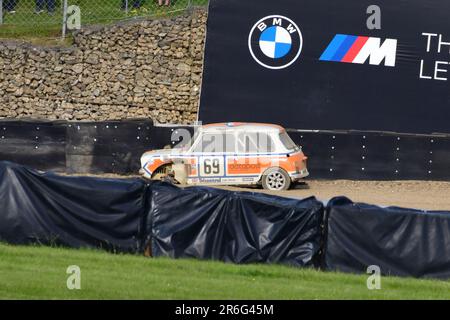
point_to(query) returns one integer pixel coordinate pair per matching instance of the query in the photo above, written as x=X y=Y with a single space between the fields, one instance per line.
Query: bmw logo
x=275 y=42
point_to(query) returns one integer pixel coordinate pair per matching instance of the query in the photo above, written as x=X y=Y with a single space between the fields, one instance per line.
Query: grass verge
x=40 y=273
x=25 y=24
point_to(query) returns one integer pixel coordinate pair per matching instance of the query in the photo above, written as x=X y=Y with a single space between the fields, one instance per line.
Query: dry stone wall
x=139 y=69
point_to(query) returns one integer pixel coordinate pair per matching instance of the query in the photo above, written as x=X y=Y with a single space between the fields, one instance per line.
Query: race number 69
x=211 y=166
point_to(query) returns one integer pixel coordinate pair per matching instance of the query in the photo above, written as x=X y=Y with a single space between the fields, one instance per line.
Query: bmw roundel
x=275 y=42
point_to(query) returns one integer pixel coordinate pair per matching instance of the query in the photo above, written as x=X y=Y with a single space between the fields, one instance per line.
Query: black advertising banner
x=330 y=65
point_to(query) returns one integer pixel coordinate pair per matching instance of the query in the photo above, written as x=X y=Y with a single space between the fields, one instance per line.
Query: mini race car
x=230 y=154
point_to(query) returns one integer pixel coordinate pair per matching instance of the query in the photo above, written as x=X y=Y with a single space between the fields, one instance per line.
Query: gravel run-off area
x=428 y=195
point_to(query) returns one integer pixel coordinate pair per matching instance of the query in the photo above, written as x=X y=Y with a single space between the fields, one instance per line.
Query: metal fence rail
x=54 y=18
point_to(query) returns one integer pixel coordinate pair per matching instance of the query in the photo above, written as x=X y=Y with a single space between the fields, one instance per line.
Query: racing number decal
x=211 y=166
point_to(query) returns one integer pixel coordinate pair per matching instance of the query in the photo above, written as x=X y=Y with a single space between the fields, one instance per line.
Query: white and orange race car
x=230 y=154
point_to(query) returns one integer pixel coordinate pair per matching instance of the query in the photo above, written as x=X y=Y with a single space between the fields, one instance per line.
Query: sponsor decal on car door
x=253 y=154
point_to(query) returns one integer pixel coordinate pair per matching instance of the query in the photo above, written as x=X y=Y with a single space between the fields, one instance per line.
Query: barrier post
x=64 y=26
x=1 y=12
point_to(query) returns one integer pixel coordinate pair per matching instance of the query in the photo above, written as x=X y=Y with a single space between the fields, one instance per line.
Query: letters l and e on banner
x=330 y=65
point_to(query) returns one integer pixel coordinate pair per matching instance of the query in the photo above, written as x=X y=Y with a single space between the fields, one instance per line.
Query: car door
x=255 y=154
x=246 y=163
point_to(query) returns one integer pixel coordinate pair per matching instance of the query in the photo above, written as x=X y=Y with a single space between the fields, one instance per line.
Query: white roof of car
x=241 y=126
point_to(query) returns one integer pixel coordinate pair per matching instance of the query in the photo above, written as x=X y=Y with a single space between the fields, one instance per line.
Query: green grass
x=24 y=24
x=40 y=273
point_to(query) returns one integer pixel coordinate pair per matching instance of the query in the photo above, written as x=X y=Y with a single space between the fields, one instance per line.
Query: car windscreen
x=287 y=141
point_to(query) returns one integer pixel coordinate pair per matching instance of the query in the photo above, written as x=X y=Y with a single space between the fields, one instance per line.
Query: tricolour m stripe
x=333 y=47
x=355 y=49
x=345 y=46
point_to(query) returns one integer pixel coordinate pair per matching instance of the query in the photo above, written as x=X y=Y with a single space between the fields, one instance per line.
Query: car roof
x=241 y=126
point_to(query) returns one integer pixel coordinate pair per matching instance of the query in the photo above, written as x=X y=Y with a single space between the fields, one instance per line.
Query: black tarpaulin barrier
x=239 y=227
x=402 y=242
x=70 y=211
x=128 y=215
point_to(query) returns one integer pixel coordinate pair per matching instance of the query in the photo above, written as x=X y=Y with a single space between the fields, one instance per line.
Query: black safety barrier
x=77 y=147
x=123 y=215
x=46 y=208
x=116 y=147
x=363 y=155
x=131 y=215
x=40 y=144
x=163 y=136
x=401 y=242
x=357 y=155
x=239 y=227
x=110 y=146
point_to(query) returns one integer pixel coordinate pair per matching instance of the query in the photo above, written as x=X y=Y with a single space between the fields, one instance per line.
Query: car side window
x=255 y=142
x=230 y=143
x=265 y=143
x=247 y=142
x=216 y=143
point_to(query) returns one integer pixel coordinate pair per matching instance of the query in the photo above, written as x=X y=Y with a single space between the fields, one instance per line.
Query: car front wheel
x=276 y=179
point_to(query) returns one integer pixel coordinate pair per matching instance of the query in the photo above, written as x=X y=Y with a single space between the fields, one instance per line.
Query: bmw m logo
x=275 y=42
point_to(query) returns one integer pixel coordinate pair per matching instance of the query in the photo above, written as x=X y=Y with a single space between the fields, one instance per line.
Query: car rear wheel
x=276 y=179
